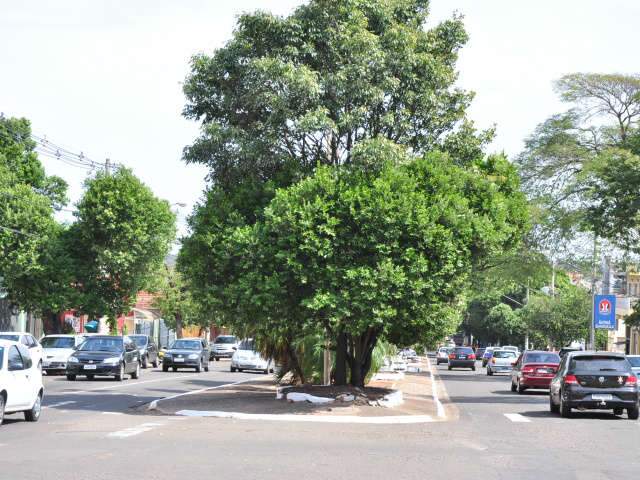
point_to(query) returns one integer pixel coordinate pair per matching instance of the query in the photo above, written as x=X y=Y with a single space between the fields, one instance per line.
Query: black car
x=462 y=357
x=594 y=380
x=187 y=353
x=105 y=355
x=147 y=348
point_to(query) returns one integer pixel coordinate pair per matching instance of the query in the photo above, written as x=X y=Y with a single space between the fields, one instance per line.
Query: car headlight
x=193 y=356
x=111 y=361
x=72 y=360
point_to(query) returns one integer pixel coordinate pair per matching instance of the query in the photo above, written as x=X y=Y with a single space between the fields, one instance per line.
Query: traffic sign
x=604 y=312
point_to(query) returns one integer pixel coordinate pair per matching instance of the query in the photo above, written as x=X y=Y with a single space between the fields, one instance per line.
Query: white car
x=26 y=339
x=442 y=356
x=398 y=365
x=511 y=348
x=501 y=362
x=246 y=358
x=634 y=360
x=21 y=388
x=56 y=351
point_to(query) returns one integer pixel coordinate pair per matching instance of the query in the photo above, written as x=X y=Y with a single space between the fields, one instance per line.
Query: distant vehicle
x=224 y=346
x=105 y=355
x=399 y=365
x=462 y=357
x=565 y=350
x=187 y=353
x=479 y=352
x=247 y=358
x=534 y=369
x=408 y=353
x=21 y=388
x=594 y=380
x=26 y=339
x=56 y=350
x=501 y=362
x=486 y=356
x=511 y=348
x=634 y=360
x=147 y=348
x=442 y=355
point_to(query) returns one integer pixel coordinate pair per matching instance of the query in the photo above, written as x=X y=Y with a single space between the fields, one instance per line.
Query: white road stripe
x=404 y=419
x=137 y=430
x=516 y=417
x=434 y=389
x=60 y=404
x=112 y=413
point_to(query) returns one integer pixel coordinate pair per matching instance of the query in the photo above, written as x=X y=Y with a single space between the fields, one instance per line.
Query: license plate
x=544 y=370
x=601 y=397
x=463 y=357
x=89 y=367
x=178 y=359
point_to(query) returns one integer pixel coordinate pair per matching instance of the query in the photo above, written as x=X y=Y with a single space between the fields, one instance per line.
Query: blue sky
x=104 y=76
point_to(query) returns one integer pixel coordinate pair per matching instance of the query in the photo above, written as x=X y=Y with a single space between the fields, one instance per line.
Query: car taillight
x=493 y=360
x=472 y=357
x=452 y=356
x=570 y=380
x=528 y=370
x=632 y=380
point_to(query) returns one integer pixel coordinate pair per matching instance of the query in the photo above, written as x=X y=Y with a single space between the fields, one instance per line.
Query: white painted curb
x=434 y=389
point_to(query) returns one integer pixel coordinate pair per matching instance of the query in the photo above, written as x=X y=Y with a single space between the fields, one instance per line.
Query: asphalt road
x=89 y=431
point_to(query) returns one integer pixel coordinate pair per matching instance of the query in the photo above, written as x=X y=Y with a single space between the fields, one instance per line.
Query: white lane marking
x=59 y=404
x=112 y=413
x=131 y=384
x=516 y=417
x=137 y=430
x=153 y=405
x=434 y=389
x=404 y=419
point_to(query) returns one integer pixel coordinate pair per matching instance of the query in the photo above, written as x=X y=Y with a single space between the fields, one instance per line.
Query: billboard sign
x=604 y=312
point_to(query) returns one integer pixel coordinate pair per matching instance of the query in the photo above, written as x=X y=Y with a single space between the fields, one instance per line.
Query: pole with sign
x=604 y=312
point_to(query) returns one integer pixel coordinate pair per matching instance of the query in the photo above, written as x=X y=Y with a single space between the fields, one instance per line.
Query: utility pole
x=553 y=277
x=592 y=330
x=107 y=166
x=526 y=335
x=327 y=363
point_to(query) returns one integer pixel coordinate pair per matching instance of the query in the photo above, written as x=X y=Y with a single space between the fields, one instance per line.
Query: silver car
x=501 y=362
x=224 y=346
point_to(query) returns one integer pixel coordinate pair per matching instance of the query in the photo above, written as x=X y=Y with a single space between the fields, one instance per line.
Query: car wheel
x=175 y=369
x=120 y=375
x=217 y=359
x=233 y=369
x=489 y=372
x=136 y=373
x=145 y=362
x=34 y=414
x=552 y=406
x=155 y=363
x=521 y=388
x=449 y=367
x=206 y=367
x=514 y=387
x=473 y=368
x=90 y=377
x=165 y=368
x=565 y=410
x=240 y=370
x=199 y=367
x=1 y=408
x=71 y=377
x=618 y=411
x=633 y=413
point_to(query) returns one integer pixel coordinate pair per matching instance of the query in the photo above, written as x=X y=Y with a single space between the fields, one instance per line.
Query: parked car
x=501 y=362
x=486 y=356
x=511 y=348
x=479 y=352
x=247 y=358
x=462 y=357
x=26 y=339
x=21 y=388
x=442 y=355
x=105 y=355
x=408 y=353
x=594 y=380
x=187 y=353
x=147 y=348
x=56 y=350
x=399 y=365
x=634 y=360
x=534 y=369
x=224 y=346
x=565 y=350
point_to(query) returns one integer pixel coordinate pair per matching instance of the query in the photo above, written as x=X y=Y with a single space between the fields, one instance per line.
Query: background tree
x=121 y=237
x=174 y=300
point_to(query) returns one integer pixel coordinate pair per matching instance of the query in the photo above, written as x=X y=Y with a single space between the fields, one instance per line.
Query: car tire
x=206 y=367
x=199 y=367
x=155 y=363
x=2 y=403
x=489 y=372
x=233 y=369
x=175 y=369
x=240 y=370
x=633 y=413
x=71 y=377
x=33 y=415
x=473 y=368
x=514 y=387
x=565 y=410
x=165 y=368
x=553 y=408
x=145 y=362
x=136 y=373
x=217 y=359
x=91 y=377
x=120 y=375
x=618 y=411
x=521 y=389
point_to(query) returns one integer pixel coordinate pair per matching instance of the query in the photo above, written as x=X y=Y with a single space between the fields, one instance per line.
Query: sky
x=104 y=77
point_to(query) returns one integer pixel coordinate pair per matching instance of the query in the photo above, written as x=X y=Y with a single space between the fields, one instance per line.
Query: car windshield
x=246 y=345
x=186 y=345
x=225 y=340
x=141 y=340
x=599 y=364
x=58 y=342
x=542 y=358
x=1 y=357
x=13 y=338
x=464 y=350
x=101 y=345
x=634 y=361
x=504 y=354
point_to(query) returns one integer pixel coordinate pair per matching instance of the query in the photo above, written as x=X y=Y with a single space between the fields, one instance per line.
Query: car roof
x=109 y=336
x=539 y=351
x=633 y=356
x=7 y=343
x=587 y=353
x=62 y=335
x=14 y=333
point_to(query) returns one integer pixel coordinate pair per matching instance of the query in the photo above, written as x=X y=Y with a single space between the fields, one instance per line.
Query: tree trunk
x=340 y=375
x=178 y=325
x=362 y=350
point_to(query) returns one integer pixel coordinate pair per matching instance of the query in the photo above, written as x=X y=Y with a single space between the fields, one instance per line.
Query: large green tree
x=121 y=237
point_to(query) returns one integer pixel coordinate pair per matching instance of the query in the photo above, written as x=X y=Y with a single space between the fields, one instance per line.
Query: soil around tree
x=369 y=394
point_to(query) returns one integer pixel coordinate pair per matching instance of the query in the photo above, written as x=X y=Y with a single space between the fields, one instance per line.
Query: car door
x=130 y=355
x=18 y=388
x=152 y=351
x=516 y=369
x=203 y=351
x=35 y=349
x=554 y=387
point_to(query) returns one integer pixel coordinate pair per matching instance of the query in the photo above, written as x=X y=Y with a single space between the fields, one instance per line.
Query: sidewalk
x=257 y=399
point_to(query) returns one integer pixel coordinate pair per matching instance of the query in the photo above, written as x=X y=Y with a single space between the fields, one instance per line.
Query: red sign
x=604 y=306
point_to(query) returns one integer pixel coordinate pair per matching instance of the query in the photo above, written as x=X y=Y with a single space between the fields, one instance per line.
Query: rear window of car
x=225 y=340
x=58 y=342
x=504 y=354
x=599 y=364
x=13 y=338
x=541 y=358
x=463 y=350
x=634 y=361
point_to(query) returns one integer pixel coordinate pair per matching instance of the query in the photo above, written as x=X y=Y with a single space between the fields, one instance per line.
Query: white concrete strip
x=390 y=420
x=59 y=404
x=153 y=405
x=434 y=390
x=112 y=413
x=517 y=418
x=132 y=431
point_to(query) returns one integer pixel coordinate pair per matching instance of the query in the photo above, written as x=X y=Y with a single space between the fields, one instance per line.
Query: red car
x=534 y=369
